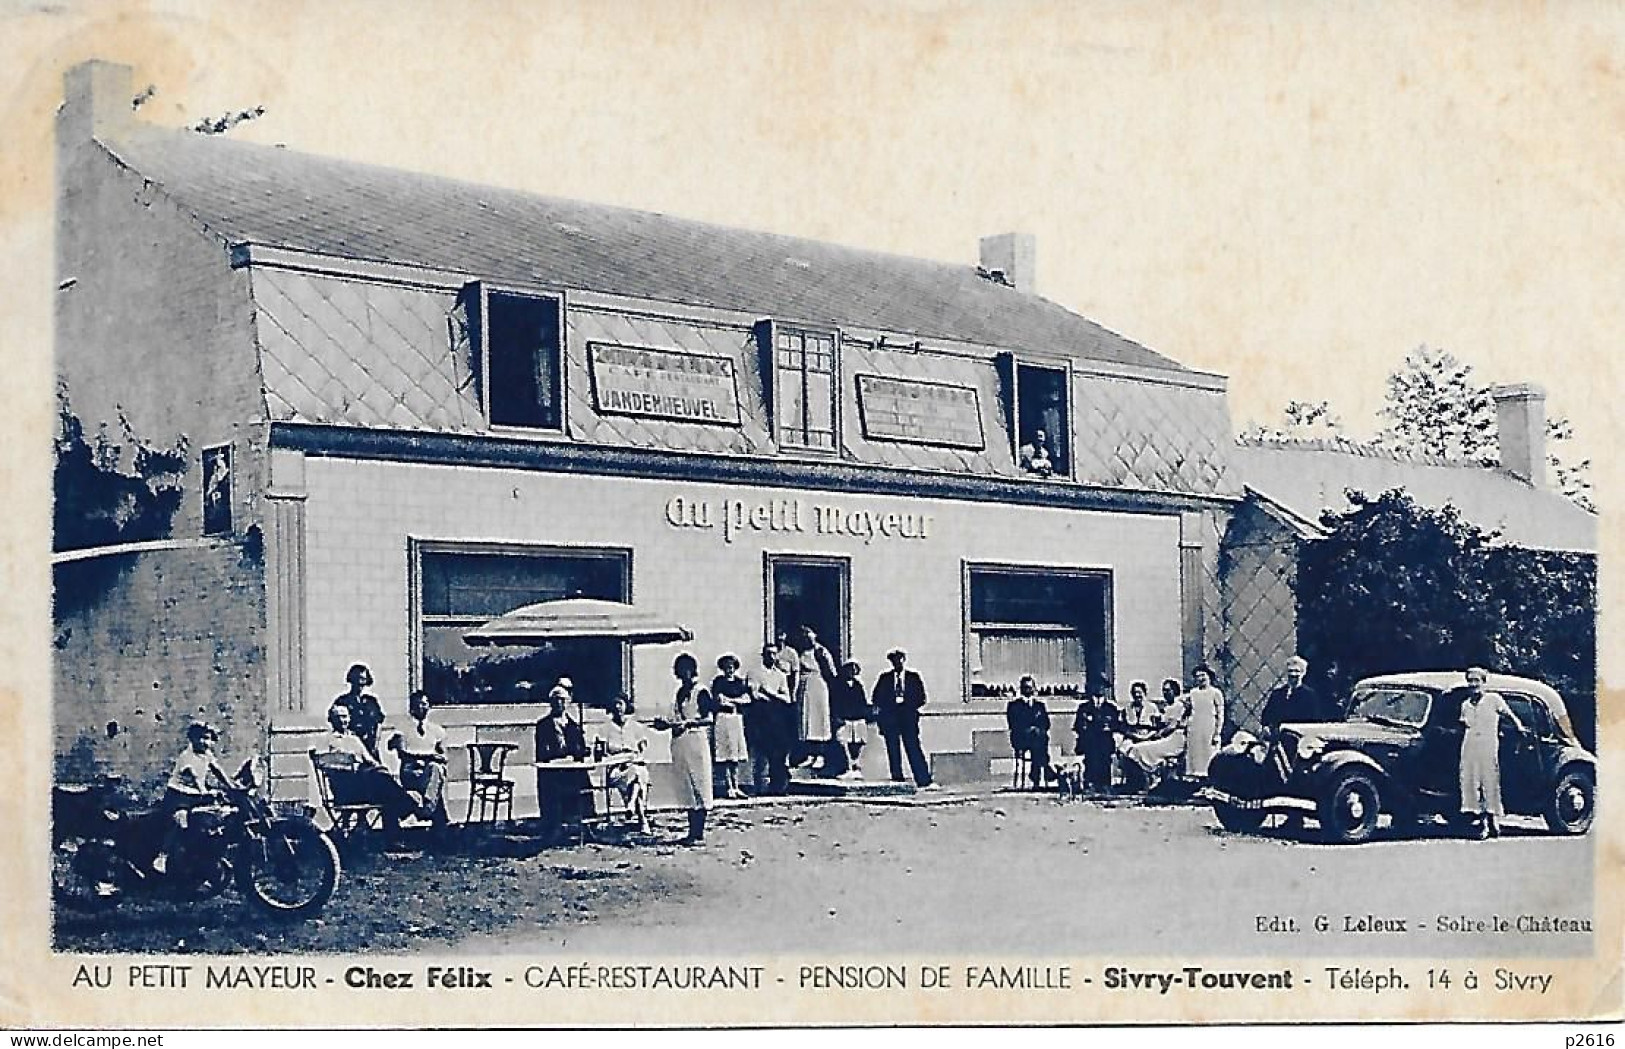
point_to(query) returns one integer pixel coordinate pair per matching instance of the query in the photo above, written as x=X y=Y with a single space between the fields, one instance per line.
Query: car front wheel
x=1573 y=802
x=1349 y=809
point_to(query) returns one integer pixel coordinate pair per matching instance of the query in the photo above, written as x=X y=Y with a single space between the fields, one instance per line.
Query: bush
x=1395 y=587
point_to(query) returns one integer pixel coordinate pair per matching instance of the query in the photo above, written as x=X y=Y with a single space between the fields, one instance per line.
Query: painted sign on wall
x=920 y=412
x=217 y=490
x=664 y=384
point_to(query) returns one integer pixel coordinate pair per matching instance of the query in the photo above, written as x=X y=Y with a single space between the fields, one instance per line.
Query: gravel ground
x=1008 y=873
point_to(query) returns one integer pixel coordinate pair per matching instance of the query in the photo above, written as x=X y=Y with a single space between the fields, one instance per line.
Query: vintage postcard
x=858 y=512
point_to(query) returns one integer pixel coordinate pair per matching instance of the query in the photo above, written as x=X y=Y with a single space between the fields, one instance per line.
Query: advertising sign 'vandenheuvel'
x=831 y=625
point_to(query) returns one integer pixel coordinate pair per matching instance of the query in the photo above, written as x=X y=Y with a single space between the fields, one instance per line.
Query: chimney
x=97 y=101
x=1015 y=255
x=1520 y=423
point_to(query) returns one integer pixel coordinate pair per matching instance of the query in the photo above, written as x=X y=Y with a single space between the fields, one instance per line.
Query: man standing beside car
x=1481 y=714
x=1292 y=700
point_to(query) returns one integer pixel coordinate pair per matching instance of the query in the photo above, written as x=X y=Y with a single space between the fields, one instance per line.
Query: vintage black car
x=1398 y=750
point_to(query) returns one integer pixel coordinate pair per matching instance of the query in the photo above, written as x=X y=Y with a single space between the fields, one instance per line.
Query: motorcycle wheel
x=292 y=871
x=84 y=876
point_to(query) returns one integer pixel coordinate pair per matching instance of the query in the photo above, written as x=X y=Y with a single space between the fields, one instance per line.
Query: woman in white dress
x=1207 y=721
x=1481 y=714
x=621 y=735
x=690 y=745
x=816 y=671
x=1170 y=738
x=730 y=695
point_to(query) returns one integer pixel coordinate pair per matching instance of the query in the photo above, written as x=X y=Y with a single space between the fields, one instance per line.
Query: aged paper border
x=180 y=38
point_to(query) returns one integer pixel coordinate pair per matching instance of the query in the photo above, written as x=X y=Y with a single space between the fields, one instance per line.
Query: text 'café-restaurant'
x=478 y=399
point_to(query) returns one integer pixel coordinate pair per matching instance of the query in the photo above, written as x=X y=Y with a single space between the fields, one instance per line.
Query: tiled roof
x=1311 y=477
x=281 y=198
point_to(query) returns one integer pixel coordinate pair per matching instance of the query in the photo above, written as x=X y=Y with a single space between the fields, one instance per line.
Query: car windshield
x=1390 y=705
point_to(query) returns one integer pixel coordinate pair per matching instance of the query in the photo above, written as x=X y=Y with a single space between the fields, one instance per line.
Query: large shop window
x=459 y=588
x=520 y=340
x=804 y=373
x=1051 y=623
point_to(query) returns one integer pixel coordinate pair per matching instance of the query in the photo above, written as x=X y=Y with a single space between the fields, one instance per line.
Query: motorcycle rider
x=188 y=787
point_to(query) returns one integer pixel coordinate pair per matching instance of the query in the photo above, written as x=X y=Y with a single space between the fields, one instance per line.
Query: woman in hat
x=730 y=694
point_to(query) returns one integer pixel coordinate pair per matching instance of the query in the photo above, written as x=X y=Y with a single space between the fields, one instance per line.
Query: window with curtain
x=1051 y=624
x=460 y=588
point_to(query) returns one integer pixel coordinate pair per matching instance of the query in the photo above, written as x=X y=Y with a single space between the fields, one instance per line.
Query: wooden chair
x=348 y=818
x=488 y=784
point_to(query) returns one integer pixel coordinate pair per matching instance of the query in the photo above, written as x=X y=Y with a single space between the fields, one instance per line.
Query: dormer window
x=1041 y=415
x=519 y=342
x=803 y=387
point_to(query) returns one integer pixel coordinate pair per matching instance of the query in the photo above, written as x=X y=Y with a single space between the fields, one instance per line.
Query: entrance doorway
x=814 y=591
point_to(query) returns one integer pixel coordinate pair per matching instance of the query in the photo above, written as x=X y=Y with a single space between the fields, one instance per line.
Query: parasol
x=578 y=617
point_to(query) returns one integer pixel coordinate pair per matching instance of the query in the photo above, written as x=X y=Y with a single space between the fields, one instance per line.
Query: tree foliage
x=111 y=491
x=226 y=121
x=1395 y=586
x=1301 y=420
x=1436 y=406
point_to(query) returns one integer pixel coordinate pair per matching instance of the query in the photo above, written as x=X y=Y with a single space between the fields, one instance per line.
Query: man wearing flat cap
x=1292 y=700
x=898 y=695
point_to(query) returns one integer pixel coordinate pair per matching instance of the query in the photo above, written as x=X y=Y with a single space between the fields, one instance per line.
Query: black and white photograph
x=845 y=512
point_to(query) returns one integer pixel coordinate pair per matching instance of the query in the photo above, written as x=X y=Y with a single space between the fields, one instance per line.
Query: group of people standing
x=1140 y=739
x=797 y=708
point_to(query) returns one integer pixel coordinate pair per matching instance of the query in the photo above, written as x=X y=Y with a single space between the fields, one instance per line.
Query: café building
x=412 y=404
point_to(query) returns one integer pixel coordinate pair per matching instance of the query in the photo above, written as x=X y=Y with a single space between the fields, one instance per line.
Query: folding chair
x=348 y=818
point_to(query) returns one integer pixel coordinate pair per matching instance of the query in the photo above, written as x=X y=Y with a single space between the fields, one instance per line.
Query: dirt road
x=1008 y=873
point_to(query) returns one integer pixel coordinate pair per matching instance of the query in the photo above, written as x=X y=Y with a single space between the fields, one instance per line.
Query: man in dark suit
x=1028 y=719
x=1096 y=726
x=898 y=695
x=563 y=794
x=1292 y=700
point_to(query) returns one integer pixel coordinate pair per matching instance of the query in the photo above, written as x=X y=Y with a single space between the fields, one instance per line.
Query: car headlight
x=1310 y=748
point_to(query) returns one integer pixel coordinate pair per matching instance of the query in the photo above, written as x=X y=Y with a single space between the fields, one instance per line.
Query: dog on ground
x=1069 y=781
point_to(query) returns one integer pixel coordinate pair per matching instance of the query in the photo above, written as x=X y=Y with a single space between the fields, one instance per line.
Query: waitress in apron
x=690 y=725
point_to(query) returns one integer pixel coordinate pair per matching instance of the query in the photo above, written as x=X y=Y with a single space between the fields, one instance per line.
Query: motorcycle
x=103 y=849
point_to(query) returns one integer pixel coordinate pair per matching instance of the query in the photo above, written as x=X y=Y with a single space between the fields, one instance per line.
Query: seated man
x=356 y=777
x=564 y=795
x=422 y=747
x=1028 y=720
